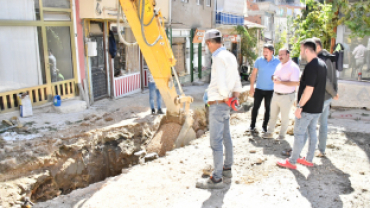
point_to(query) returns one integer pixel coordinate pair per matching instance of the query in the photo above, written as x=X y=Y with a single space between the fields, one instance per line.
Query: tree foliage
x=356 y=16
x=280 y=40
x=248 y=43
x=315 y=21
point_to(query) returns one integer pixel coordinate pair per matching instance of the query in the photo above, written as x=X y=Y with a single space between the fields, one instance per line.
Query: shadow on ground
x=217 y=197
x=324 y=184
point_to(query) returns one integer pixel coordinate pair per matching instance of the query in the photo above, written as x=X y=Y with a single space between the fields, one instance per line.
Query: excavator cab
x=148 y=29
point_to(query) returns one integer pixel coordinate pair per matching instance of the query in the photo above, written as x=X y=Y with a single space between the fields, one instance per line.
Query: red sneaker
x=303 y=161
x=286 y=164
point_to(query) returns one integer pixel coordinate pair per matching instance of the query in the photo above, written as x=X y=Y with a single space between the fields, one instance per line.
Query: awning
x=249 y=24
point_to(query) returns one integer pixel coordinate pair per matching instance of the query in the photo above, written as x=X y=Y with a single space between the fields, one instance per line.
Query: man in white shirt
x=286 y=80
x=359 y=54
x=225 y=83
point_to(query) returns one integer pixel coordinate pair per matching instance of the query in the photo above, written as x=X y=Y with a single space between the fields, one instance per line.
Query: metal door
x=98 y=71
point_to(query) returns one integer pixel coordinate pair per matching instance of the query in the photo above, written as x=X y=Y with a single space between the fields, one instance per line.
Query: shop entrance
x=98 y=70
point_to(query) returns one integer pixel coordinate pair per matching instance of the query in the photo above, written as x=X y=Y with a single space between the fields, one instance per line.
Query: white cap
x=213 y=33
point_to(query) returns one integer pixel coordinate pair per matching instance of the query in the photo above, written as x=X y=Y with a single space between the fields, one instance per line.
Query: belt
x=215 y=102
x=284 y=93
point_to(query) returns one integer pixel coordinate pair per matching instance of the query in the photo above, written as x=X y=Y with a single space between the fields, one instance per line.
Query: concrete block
x=353 y=94
x=71 y=106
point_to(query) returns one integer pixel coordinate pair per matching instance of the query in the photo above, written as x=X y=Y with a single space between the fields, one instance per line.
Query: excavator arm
x=148 y=29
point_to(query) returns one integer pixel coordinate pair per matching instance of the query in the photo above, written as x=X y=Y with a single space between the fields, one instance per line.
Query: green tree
x=315 y=21
x=354 y=15
x=248 y=43
x=280 y=40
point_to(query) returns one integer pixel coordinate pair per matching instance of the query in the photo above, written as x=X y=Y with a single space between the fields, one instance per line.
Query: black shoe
x=252 y=130
x=160 y=111
x=264 y=129
x=153 y=111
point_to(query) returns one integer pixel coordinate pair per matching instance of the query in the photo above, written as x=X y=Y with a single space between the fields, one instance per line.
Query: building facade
x=38 y=53
x=273 y=15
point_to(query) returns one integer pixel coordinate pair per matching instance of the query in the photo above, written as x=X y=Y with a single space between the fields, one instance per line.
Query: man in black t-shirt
x=311 y=96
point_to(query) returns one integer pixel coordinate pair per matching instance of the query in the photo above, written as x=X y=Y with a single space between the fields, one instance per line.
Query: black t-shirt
x=314 y=75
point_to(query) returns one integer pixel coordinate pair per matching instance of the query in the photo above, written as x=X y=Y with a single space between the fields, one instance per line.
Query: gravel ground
x=340 y=180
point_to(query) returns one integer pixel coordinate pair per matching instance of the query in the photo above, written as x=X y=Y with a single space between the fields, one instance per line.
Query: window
x=65 y=4
x=19 y=10
x=60 y=56
x=21 y=57
x=57 y=16
x=356 y=55
x=200 y=2
x=35 y=52
x=185 y=1
x=208 y=3
x=266 y=23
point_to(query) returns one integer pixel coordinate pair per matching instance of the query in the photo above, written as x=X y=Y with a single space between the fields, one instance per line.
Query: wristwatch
x=299 y=106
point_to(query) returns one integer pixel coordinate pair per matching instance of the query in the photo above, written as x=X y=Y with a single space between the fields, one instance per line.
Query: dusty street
x=340 y=180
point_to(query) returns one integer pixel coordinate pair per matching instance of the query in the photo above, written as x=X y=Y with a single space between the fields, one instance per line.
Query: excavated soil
x=43 y=168
x=84 y=153
x=164 y=139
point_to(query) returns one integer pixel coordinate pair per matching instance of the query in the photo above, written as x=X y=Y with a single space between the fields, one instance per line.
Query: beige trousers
x=280 y=104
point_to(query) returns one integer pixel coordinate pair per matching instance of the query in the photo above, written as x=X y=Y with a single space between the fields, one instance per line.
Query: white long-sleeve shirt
x=225 y=77
x=359 y=51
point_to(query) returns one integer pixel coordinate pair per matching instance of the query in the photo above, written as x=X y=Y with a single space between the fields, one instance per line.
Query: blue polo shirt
x=265 y=72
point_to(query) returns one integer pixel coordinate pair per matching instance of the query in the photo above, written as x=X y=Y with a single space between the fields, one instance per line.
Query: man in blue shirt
x=263 y=70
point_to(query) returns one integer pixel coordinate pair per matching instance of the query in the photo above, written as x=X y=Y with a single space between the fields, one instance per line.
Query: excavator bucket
x=171 y=135
x=146 y=24
x=187 y=133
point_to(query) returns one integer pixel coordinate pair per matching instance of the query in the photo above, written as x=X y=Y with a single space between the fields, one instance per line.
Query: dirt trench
x=43 y=168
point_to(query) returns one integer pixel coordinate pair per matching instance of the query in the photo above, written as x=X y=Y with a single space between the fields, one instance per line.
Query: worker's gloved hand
x=233 y=102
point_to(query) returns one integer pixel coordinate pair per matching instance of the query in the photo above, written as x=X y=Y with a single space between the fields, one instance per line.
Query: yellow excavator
x=147 y=26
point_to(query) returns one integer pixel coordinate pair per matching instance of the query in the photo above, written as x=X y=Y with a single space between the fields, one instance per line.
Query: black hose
x=142 y=25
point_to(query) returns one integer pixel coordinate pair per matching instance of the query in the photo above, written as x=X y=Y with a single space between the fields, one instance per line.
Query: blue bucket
x=57 y=100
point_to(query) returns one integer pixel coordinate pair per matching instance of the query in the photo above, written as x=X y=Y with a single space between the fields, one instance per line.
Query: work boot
x=160 y=111
x=210 y=183
x=153 y=111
